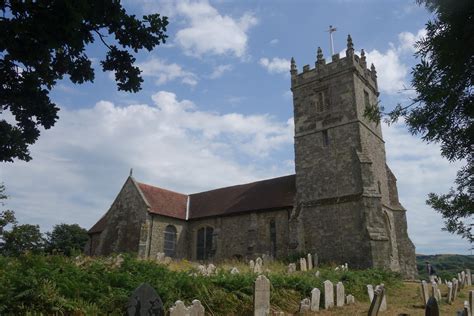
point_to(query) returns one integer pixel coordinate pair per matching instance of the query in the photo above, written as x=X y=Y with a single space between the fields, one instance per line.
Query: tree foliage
x=22 y=239
x=6 y=216
x=67 y=239
x=42 y=41
x=443 y=109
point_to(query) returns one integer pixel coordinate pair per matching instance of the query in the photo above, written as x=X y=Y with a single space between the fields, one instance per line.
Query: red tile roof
x=164 y=202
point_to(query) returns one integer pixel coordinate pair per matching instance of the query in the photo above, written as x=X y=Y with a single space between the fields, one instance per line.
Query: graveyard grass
x=88 y=286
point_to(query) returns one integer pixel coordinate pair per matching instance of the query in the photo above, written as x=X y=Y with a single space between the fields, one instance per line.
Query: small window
x=366 y=99
x=380 y=187
x=325 y=138
x=273 y=245
x=320 y=106
x=204 y=243
x=170 y=241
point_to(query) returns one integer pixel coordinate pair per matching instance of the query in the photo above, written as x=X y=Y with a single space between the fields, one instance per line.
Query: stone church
x=341 y=203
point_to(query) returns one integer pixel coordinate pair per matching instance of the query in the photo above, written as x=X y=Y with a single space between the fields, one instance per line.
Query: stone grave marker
x=261 y=297
x=328 y=294
x=376 y=301
x=424 y=292
x=179 y=309
x=197 y=309
x=310 y=262
x=340 y=295
x=258 y=266
x=145 y=301
x=160 y=256
x=370 y=291
x=305 y=306
x=455 y=288
x=383 y=305
x=435 y=292
x=211 y=269
x=469 y=277
x=251 y=265
x=315 y=299
x=432 y=308
x=317 y=274
x=450 y=292
x=463 y=279
x=350 y=299
x=234 y=270
x=303 y=264
x=291 y=267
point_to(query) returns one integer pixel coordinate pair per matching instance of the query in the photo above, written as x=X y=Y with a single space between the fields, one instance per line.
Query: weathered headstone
x=346 y=266
x=317 y=274
x=383 y=305
x=463 y=279
x=145 y=301
x=305 y=306
x=435 y=292
x=258 y=267
x=251 y=265
x=117 y=261
x=350 y=299
x=376 y=301
x=328 y=294
x=211 y=269
x=424 y=292
x=291 y=267
x=259 y=261
x=432 y=308
x=315 y=299
x=202 y=269
x=160 y=256
x=261 y=297
x=234 y=270
x=310 y=262
x=455 y=288
x=179 y=309
x=340 y=295
x=303 y=264
x=370 y=291
x=315 y=260
x=471 y=302
x=167 y=260
x=196 y=309
x=466 y=310
x=450 y=293
x=469 y=277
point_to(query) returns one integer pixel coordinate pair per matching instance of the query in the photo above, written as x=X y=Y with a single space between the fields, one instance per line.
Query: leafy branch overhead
x=43 y=41
x=443 y=109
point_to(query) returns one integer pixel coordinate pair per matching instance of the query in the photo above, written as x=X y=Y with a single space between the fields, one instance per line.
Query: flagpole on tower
x=331 y=30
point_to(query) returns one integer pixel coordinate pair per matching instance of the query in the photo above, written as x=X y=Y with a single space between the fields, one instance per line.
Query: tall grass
x=56 y=284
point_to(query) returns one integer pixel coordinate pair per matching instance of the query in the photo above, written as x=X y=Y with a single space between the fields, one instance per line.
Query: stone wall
x=158 y=225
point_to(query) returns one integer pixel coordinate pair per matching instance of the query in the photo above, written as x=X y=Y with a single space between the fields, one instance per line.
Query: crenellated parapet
x=338 y=65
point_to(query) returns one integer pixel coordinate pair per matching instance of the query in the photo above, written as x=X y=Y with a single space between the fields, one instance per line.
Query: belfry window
x=204 y=246
x=170 y=241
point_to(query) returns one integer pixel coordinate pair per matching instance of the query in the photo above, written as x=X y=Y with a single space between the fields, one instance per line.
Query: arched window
x=204 y=245
x=170 y=241
x=273 y=244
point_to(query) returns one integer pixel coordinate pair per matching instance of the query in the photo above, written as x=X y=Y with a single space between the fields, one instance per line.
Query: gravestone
x=432 y=308
x=328 y=294
x=258 y=266
x=251 y=265
x=160 y=256
x=305 y=306
x=196 y=309
x=435 y=292
x=317 y=274
x=471 y=302
x=303 y=264
x=455 y=288
x=234 y=270
x=463 y=279
x=179 y=309
x=315 y=260
x=259 y=261
x=376 y=301
x=383 y=305
x=424 y=292
x=261 y=297
x=469 y=277
x=145 y=301
x=291 y=267
x=450 y=292
x=310 y=262
x=370 y=291
x=211 y=269
x=350 y=299
x=346 y=266
x=202 y=269
x=167 y=260
x=340 y=295
x=315 y=299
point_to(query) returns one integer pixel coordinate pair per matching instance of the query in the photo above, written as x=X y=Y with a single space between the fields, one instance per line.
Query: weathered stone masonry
x=342 y=203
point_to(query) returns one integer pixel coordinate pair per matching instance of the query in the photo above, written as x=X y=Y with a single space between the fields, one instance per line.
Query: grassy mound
x=50 y=284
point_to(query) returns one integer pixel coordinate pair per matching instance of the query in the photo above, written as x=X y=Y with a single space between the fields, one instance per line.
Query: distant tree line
x=15 y=239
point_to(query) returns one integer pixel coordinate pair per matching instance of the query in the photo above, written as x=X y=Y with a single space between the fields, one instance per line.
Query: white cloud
x=157 y=68
x=209 y=32
x=275 y=65
x=407 y=40
x=219 y=71
x=81 y=163
x=391 y=72
x=274 y=41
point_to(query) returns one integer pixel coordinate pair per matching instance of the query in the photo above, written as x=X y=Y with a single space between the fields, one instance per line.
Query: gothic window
x=325 y=138
x=273 y=245
x=366 y=99
x=204 y=243
x=170 y=241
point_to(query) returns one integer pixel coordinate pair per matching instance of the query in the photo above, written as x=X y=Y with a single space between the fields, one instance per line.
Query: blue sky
x=216 y=110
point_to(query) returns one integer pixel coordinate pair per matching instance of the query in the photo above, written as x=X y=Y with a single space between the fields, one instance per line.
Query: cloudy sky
x=216 y=110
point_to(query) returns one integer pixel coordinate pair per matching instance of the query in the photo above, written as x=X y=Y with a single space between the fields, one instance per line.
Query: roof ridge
x=160 y=188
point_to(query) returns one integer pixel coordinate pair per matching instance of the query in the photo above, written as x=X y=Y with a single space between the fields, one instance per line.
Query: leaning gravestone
x=432 y=308
x=424 y=292
x=145 y=301
x=383 y=305
x=370 y=291
x=315 y=298
x=340 y=296
x=376 y=301
x=328 y=294
x=261 y=297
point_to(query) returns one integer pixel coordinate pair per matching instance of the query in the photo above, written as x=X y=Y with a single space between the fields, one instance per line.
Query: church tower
x=346 y=204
